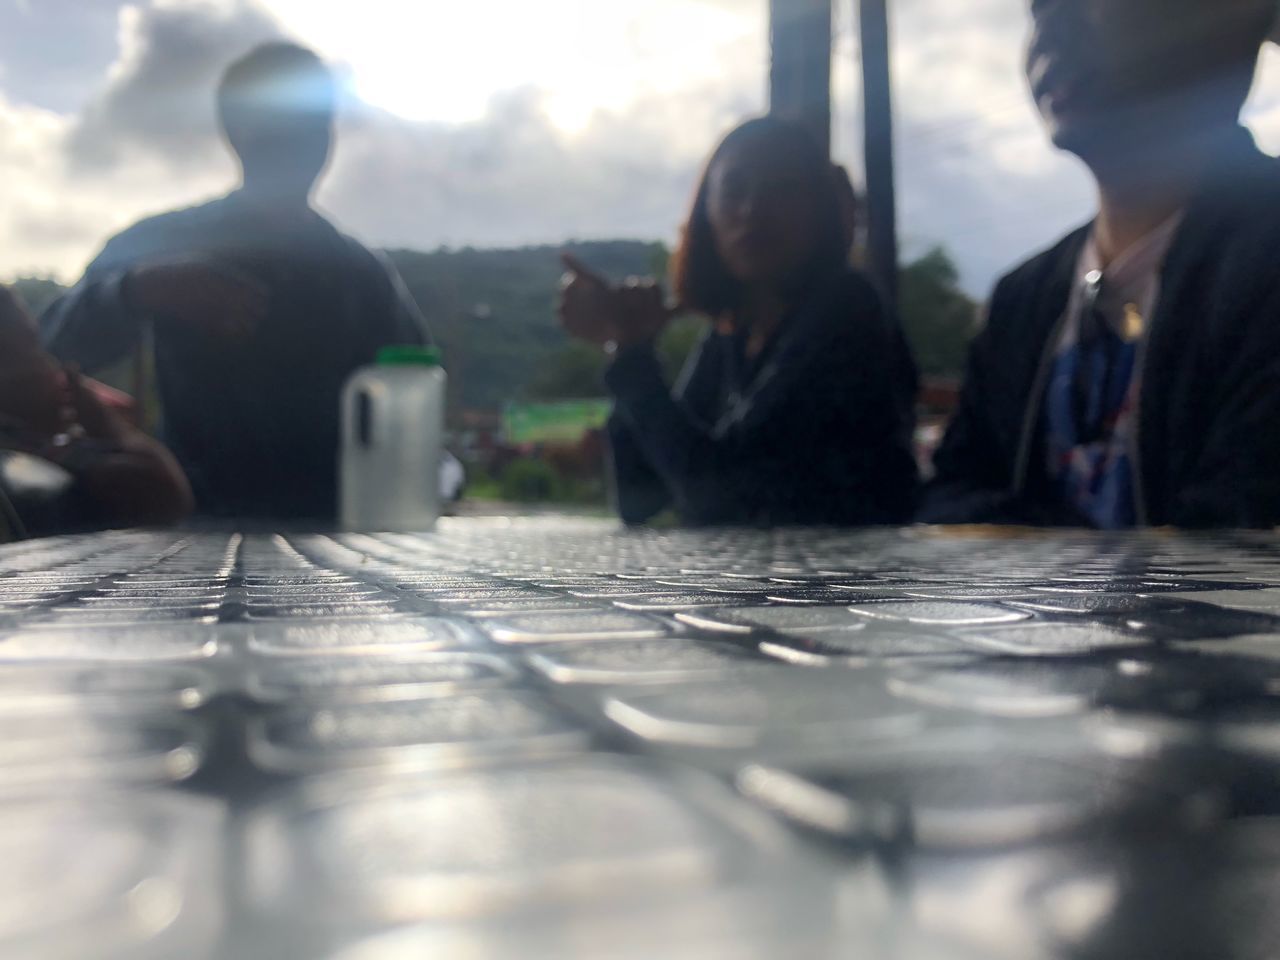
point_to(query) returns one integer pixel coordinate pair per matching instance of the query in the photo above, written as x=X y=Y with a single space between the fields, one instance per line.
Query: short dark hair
x=271 y=81
x=701 y=281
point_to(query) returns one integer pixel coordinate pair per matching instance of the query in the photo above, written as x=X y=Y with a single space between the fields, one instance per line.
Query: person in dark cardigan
x=798 y=405
x=1130 y=376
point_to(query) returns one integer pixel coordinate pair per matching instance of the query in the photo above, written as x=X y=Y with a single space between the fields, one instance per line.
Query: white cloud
x=478 y=183
x=159 y=96
x=510 y=175
x=54 y=219
x=441 y=61
x=515 y=176
x=1263 y=113
x=592 y=121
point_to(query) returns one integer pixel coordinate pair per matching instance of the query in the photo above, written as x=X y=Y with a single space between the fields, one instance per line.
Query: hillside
x=493 y=311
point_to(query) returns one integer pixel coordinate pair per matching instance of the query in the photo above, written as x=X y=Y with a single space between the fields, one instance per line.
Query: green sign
x=565 y=422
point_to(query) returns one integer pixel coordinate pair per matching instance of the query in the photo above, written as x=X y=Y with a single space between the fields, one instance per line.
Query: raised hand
x=642 y=311
x=597 y=312
x=588 y=308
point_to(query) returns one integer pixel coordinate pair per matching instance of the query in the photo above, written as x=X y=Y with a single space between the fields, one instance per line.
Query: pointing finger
x=576 y=266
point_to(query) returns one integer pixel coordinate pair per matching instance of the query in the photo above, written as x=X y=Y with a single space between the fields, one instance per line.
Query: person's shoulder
x=1240 y=170
x=854 y=288
x=1033 y=272
x=1231 y=231
x=358 y=251
x=188 y=216
x=848 y=299
x=1254 y=203
x=849 y=318
x=1236 y=212
x=161 y=231
x=1019 y=290
x=1266 y=172
x=374 y=264
x=853 y=343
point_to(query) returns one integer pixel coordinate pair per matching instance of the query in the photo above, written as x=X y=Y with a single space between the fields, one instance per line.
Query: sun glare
x=438 y=61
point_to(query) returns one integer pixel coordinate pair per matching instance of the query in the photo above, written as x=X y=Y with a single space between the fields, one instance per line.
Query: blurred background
x=480 y=138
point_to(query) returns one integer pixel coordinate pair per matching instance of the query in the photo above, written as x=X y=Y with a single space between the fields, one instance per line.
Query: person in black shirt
x=1130 y=375
x=798 y=406
x=257 y=308
x=68 y=462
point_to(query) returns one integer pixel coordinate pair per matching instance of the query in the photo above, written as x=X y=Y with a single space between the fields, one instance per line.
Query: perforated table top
x=555 y=738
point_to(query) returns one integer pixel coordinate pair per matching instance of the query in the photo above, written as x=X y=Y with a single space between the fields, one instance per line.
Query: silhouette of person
x=257 y=307
x=1131 y=374
x=798 y=405
x=69 y=463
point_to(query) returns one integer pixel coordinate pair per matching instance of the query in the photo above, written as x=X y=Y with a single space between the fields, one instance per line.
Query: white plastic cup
x=392 y=442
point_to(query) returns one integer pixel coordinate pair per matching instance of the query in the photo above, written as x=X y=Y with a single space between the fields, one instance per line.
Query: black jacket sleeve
x=639 y=492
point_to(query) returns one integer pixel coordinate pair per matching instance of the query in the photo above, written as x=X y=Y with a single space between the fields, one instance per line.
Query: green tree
x=939 y=319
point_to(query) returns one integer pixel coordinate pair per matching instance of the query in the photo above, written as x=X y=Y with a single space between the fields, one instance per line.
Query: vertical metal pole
x=882 y=214
x=800 y=76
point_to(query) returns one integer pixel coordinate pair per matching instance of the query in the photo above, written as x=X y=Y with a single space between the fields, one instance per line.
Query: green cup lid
x=409 y=357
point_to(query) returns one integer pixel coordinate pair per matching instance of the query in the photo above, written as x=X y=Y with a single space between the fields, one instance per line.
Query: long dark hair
x=702 y=283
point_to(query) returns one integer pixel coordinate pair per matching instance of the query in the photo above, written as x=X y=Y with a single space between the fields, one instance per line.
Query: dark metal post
x=882 y=214
x=800 y=78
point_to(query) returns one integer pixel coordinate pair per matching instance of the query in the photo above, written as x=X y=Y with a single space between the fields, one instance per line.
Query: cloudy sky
x=505 y=122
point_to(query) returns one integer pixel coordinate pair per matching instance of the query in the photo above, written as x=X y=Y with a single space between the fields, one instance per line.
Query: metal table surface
x=553 y=738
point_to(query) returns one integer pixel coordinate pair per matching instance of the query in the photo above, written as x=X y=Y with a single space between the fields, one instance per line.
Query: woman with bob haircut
x=797 y=408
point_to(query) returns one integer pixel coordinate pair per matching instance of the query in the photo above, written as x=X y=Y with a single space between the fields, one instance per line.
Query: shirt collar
x=1140 y=262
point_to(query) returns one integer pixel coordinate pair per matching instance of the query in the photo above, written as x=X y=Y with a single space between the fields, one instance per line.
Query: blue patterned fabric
x=1089 y=412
